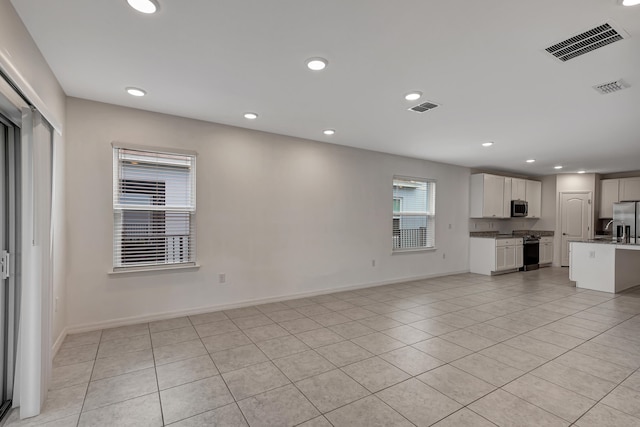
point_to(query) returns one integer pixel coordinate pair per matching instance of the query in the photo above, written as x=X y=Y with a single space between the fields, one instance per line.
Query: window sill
x=154 y=269
x=411 y=251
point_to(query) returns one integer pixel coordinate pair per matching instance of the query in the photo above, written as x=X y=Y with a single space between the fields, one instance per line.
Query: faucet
x=624 y=230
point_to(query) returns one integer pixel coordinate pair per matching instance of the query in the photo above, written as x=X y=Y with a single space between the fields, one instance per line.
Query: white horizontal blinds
x=154 y=208
x=413 y=213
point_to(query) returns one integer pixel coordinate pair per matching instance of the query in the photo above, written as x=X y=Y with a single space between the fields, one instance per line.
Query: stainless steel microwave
x=519 y=208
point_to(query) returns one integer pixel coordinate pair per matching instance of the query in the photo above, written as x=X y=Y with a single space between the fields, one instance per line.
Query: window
x=414 y=209
x=154 y=205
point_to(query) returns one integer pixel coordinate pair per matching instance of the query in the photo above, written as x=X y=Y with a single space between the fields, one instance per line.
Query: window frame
x=429 y=214
x=119 y=212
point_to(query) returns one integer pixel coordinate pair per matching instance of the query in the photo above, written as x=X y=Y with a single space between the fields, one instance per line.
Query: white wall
x=279 y=215
x=547 y=219
x=22 y=61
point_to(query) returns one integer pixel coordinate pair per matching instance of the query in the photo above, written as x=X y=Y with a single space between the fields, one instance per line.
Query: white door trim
x=560 y=225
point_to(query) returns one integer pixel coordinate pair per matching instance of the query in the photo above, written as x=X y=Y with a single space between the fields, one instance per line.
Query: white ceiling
x=483 y=61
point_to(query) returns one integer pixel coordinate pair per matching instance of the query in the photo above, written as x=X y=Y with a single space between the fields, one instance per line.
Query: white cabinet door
x=608 y=196
x=510 y=254
x=519 y=256
x=493 y=196
x=546 y=253
x=506 y=202
x=629 y=189
x=501 y=258
x=518 y=189
x=534 y=198
x=487 y=196
x=506 y=258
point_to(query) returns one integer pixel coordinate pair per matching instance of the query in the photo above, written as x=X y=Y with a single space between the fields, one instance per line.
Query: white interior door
x=575 y=217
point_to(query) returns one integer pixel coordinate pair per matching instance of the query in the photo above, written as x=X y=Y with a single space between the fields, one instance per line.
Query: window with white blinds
x=414 y=213
x=154 y=206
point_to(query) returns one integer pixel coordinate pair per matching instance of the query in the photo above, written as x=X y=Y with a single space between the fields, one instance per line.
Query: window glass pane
x=413 y=213
x=154 y=205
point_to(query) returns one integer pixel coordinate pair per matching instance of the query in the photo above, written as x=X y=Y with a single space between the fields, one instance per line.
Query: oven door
x=531 y=255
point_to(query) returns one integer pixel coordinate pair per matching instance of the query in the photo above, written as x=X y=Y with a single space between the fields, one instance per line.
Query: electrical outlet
x=444 y=256
x=56 y=310
x=592 y=254
x=450 y=226
x=373 y=263
x=222 y=278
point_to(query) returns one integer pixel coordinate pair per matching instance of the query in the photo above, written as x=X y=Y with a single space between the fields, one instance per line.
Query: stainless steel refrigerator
x=626 y=221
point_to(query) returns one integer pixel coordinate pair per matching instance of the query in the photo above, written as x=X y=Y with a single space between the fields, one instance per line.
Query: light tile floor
x=526 y=349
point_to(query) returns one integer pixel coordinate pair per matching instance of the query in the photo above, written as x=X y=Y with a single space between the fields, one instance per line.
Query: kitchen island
x=604 y=265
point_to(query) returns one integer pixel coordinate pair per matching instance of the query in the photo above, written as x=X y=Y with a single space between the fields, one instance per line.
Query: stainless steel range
x=530 y=252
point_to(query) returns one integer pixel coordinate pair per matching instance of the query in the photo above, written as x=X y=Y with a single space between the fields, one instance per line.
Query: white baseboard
x=125 y=321
x=58 y=342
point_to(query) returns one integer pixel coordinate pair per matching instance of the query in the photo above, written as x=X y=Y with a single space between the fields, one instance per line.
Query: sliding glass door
x=9 y=137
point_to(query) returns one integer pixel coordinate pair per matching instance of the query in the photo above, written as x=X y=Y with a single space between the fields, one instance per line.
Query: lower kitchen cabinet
x=546 y=250
x=495 y=255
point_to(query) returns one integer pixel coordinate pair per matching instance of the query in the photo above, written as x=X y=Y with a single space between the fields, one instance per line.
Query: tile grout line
x=86 y=392
x=235 y=402
x=506 y=286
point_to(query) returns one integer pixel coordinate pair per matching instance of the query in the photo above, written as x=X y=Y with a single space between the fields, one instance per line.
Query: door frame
x=559 y=225
x=10 y=222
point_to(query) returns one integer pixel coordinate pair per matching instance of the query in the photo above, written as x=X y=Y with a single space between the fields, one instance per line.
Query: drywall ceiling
x=482 y=61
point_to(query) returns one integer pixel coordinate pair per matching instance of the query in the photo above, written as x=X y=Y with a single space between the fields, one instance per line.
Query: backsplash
x=501 y=226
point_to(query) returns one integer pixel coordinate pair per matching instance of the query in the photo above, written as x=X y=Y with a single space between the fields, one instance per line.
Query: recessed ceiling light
x=413 y=96
x=250 y=116
x=134 y=91
x=531 y=160
x=487 y=144
x=329 y=132
x=582 y=171
x=144 y=6
x=557 y=167
x=630 y=2
x=317 y=64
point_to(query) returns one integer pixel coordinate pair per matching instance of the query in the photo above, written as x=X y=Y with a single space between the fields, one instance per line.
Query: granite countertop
x=618 y=245
x=515 y=233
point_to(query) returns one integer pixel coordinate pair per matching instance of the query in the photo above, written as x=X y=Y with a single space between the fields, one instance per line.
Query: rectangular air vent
x=586 y=42
x=425 y=106
x=611 y=87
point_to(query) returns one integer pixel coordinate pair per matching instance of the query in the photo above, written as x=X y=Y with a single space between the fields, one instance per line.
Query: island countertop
x=617 y=245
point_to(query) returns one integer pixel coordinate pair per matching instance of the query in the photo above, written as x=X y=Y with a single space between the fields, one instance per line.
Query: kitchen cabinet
x=609 y=194
x=490 y=255
x=629 y=189
x=546 y=250
x=518 y=189
x=486 y=196
x=519 y=254
x=506 y=203
x=533 y=196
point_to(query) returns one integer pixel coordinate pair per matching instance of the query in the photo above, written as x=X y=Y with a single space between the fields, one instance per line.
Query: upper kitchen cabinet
x=617 y=190
x=518 y=189
x=609 y=194
x=487 y=196
x=533 y=196
x=506 y=202
x=629 y=189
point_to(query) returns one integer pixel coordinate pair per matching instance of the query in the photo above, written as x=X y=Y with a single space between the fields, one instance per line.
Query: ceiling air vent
x=611 y=87
x=586 y=42
x=425 y=106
